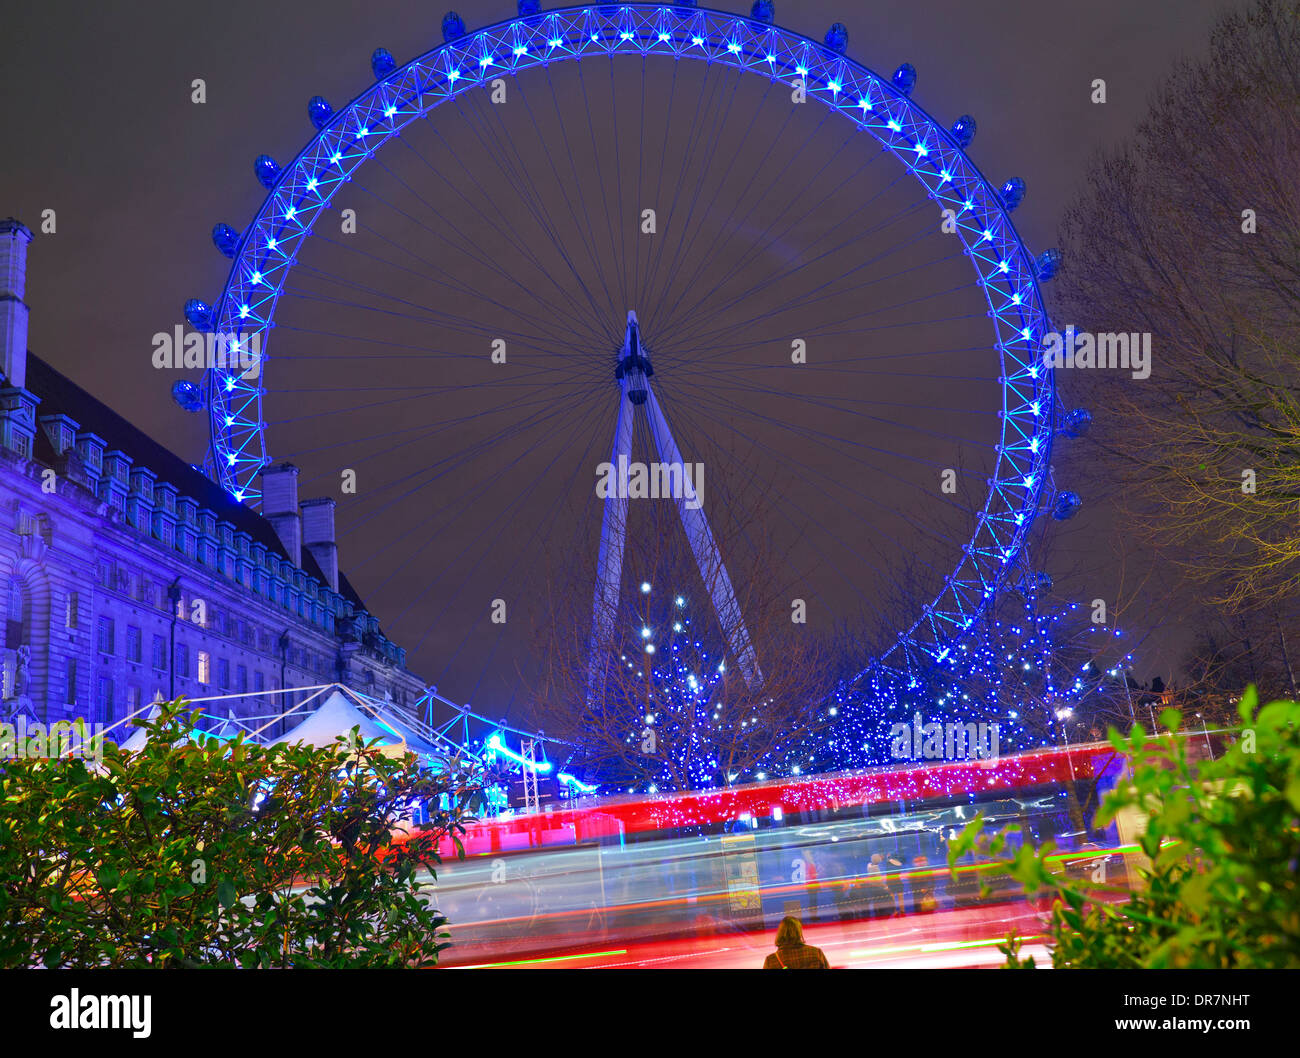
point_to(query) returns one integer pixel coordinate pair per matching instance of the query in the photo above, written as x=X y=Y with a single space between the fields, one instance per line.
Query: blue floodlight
x=495 y=745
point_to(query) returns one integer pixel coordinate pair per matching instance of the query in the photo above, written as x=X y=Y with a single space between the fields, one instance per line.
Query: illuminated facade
x=126 y=574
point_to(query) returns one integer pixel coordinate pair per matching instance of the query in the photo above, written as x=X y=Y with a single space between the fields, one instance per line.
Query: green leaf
x=1293 y=792
x=1246 y=707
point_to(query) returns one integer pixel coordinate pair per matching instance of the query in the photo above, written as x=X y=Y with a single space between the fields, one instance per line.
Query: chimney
x=318 y=537
x=280 y=507
x=14 y=237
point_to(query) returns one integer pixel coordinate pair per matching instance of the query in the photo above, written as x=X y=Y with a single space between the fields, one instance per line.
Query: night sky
x=469 y=480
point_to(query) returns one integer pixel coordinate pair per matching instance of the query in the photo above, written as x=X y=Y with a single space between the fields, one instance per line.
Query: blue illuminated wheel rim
x=265 y=253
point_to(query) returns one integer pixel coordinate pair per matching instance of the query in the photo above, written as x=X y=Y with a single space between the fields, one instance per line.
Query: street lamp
x=1061 y=716
x=1209 y=748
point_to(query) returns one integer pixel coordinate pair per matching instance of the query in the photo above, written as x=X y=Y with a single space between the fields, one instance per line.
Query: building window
x=70 y=687
x=205 y=667
x=105 y=575
x=16 y=617
x=70 y=620
x=132 y=699
x=104 y=700
x=160 y=653
x=134 y=644
x=106 y=638
x=223 y=673
x=182 y=660
x=259 y=682
x=241 y=679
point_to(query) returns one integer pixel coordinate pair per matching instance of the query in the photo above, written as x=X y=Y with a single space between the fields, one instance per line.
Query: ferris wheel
x=532 y=248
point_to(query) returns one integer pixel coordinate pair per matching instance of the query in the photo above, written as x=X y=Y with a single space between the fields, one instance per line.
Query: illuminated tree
x=675 y=710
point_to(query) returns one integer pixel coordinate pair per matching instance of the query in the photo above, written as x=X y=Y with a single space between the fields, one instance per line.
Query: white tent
x=337 y=717
x=228 y=730
x=140 y=736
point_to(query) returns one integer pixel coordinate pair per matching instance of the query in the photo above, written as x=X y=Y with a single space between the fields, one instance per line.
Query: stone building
x=127 y=574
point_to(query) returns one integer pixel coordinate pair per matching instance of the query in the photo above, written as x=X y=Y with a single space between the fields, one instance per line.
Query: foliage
x=1222 y=842
x=199 y=852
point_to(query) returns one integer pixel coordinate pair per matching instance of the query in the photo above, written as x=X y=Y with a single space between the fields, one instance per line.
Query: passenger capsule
x=905 y=78
x=319 y=111
x=225 y=239
x=963 y=130
x=382 y=62
x=267 y=171
x=453 y=26
x=1012 y=193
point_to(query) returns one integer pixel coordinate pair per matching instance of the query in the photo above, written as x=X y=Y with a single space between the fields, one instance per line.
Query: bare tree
x=1232 y=651
x=1191 y=232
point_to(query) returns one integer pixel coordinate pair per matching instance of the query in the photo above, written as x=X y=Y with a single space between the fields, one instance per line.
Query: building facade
x=127 y=575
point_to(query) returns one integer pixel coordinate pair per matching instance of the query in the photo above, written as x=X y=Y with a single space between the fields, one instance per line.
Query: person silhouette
x=791 y=951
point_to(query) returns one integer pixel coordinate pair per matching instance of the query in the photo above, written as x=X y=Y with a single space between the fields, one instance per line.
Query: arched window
x=15 y=635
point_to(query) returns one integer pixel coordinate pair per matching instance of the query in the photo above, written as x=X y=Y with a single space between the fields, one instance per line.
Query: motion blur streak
x=666 y=883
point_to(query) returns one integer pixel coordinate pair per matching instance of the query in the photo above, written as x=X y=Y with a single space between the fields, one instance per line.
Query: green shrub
x=1217 y=887
x=166 y=858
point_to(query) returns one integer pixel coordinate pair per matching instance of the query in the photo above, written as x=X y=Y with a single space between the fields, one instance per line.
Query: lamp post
x=283 y=644
x=1061 y=716
x=174 y=597
x=1128 y=693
